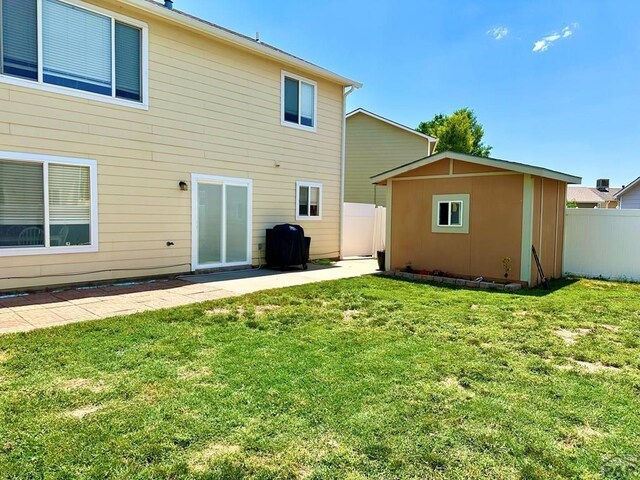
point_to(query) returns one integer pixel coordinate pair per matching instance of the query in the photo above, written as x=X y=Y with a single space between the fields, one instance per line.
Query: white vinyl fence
x=364 y=229
x=602 y=243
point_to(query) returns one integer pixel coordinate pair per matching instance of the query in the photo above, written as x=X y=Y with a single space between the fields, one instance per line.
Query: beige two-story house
x=137 y=140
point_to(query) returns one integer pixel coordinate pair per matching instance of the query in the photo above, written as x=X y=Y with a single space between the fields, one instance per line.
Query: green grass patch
x=360 y=378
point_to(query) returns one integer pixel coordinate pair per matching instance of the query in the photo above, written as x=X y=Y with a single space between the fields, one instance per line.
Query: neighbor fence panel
x=364 y=226
x=602 y=243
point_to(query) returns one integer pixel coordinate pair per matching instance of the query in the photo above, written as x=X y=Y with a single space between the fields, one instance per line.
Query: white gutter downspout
x=345 y=94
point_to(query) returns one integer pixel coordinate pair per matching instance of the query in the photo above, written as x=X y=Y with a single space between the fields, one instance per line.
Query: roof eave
x=504 y=164
x=391 y=122
x=239 y=40
x=626 y=189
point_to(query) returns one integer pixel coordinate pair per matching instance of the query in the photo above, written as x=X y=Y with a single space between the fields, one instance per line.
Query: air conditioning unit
x=602 y=185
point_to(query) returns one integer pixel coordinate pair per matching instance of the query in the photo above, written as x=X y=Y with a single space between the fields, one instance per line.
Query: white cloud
x=544 y=43
x=498 y=32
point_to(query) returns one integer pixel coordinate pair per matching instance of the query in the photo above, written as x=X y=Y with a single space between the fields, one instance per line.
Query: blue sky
x=573 y=105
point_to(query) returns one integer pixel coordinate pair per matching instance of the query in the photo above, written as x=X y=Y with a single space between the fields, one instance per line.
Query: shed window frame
x=308 y=216
x=464 y=200
x=301 y=81
x=46 y=161
x=113 y=98
x=450 y=223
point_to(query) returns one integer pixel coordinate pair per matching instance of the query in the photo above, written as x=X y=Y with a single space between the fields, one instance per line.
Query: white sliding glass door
x=221 y=221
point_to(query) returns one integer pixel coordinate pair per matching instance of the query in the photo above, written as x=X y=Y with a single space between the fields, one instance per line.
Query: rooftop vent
x=602 y=184
x=168 y=4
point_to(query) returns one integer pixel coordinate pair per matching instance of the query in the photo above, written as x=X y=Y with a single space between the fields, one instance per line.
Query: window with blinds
x=76 y=46
x=28 y=218
x=298 y=101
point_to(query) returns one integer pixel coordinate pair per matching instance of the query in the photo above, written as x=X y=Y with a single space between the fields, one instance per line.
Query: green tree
x=459 y=132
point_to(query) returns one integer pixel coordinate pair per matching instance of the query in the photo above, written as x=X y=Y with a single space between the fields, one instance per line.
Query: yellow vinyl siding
x=214 y=109
x=374 y=146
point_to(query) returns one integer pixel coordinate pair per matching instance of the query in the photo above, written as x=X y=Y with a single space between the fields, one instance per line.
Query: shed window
x=450 y=214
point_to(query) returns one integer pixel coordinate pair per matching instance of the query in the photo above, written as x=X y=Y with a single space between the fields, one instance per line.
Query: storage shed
x=472 y=216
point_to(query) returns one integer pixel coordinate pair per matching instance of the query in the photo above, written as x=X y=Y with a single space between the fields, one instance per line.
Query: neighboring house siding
x=372 y=147
x=631 y=199
x=214 y=109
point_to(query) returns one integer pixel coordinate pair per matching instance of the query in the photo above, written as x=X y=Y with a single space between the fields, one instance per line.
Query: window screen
x=69 y=205
x=19 y=27
x=128 y=62
x=291 y=95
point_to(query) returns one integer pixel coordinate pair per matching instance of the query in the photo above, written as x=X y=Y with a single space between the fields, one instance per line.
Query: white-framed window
x=299 y=102
x=47 y=204
x=308 y=201
x=450 y=214
x=67 y=46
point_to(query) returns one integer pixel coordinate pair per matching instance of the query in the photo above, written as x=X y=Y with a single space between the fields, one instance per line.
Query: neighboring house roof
x=391 y=122
x=627 y=188
x=590 y=195
x=203 y=26
x=491 y=162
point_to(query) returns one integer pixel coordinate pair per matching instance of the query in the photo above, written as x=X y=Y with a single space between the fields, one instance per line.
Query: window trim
x=308 y=217
x=283 y=122
x=437 y=200
x=449 y=202
x=46 y=87
x=93 y=189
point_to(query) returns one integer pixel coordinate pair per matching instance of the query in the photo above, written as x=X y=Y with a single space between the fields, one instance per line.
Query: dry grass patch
x=610 y=328
x=350 y=314
x=199 y=461
x=595 y=367
x=579 y=436
x=219 y=311
x=262 y=309
x=570 y=337
x=5 y=356
x=189 y=373
x=83 y=384
x=80 y=413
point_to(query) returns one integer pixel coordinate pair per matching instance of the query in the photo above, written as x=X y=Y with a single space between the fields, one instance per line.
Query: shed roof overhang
x=381 y=178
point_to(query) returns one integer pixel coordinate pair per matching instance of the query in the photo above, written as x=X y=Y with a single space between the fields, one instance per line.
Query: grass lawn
x=360 y=378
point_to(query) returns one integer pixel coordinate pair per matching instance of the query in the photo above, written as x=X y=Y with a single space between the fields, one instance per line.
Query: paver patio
x=29 y=312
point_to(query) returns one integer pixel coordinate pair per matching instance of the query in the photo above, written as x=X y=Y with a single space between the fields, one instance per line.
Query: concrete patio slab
x=24 y=313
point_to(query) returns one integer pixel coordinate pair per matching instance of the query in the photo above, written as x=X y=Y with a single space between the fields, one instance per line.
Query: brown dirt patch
x=199 y=461
x=570 y=337
x=579 y=436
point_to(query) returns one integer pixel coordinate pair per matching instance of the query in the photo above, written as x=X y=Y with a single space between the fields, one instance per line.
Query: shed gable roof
x=491 y=162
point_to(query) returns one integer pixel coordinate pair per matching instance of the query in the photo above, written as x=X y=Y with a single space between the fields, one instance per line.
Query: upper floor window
x=47 y=204
x=81 y=49
x=299 y=99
